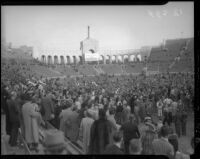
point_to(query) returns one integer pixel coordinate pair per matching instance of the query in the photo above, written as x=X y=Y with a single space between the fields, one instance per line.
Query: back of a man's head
x=164 y=131
x=102 y=114
x=135 y=146
x=117 y=136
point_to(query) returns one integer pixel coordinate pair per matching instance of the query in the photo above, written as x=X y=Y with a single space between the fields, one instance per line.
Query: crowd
x=108 y=114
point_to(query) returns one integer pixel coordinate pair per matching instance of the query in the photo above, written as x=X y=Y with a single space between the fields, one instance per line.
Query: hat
x=147 y=118
x=54 y=139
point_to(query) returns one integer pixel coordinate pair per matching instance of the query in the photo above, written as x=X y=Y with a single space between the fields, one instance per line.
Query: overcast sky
x=116 y=27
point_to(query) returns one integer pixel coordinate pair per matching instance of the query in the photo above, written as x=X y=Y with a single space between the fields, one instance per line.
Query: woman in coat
x=31 y=118
x=85 y=128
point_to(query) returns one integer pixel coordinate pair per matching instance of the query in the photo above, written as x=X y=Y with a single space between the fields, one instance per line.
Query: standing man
x=162 y=146
x=183 y=122
x=14 y=118
x=69 y=122
x=115 y=148
x=177 y=122
x=47 y=108
x=4 y=98
x=130 y=131
x=135 y=147
x=174 y=109
x=112 y=122
x=159 y=106
x=99 y=135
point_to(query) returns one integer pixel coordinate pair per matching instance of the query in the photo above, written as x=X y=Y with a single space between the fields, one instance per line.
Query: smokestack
x=88 y=32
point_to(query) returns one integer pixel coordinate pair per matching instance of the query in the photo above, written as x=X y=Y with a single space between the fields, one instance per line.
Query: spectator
x=160 y=107
x=177 y=122
x=14 y=118
x=146 y=139
x=100 y=132
x=183 y=122
x=115 y=148
x=85 y=129
x=130 y=131
x=30 y=116
x=47 y=108
x=69 y=123
x=135 y=147
x=112 y=122
x=173 y=139
x=4 y=98
x=55 y=143
x=161 y=146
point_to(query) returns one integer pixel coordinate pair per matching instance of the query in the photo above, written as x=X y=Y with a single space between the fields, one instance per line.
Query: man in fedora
x=47 y=107
x=69 y=122
x=54 y=142
x=130 y=131
x=115 y=147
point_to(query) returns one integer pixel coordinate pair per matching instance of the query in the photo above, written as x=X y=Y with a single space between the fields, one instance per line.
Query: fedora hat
x=54 y=139
x=147 y=118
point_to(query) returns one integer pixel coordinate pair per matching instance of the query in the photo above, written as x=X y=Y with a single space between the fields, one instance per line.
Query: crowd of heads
x=108 y=95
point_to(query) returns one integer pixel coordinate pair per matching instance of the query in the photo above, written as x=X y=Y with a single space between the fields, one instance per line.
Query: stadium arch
x=113 y=59
x=43 y=58
x=56 y=60
x=126 y=59
x=80 y=60
x=49 y=60
x=68 y=60
x=139 y=57
x=62 y=60
x=108 y=59
x=74 y=60
x=132 y=58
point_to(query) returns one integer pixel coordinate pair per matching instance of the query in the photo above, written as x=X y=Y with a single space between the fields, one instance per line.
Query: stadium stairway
x=72 y=148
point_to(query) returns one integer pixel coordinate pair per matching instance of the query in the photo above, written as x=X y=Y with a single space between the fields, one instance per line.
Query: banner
x=89 y=56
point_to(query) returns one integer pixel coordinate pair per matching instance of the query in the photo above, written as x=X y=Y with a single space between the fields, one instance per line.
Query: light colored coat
x=30 y=118
x=85 y=127
x=114 y=128
x=163 y=147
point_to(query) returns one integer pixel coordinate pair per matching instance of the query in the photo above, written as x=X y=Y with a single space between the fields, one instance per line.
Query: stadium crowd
x=109 y=114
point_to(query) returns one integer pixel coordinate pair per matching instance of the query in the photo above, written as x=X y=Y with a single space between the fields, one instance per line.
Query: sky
x=115 y=27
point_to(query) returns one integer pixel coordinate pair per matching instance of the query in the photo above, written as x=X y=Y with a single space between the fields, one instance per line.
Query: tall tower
x=88 y=32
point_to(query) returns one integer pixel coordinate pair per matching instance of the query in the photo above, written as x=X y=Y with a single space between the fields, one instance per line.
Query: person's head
x=173 y=140
x=54 y=142
x=117 y=137
x=26 y=97
x=132 y=118
x=13 y=95
x=88 y=114
x=111 y=111
x=102 y=114
x=147 y=140
x=147 y=119
x=135 y=147
x=164 y=131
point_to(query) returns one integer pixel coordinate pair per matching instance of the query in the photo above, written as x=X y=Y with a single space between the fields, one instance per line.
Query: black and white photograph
x=98 y=80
